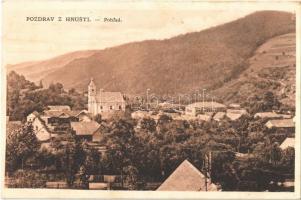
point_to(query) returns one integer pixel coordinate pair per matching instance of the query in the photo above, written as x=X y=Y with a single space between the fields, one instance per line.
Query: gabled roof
x=280 y=123
x=85 y=128
x=288 y=142
x=55 y=113
x=35 y=113
x=271 y=115
x=236 y=114
x=110 y=97
x=59 y=107
x=186 y=178
x=219 y=115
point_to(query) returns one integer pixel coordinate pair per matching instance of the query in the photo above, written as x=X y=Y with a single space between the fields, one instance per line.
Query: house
x=39 y=127
x=83 y=115
x=271 y=115
x=99 y=102
x=280 y=123
x=234 y=106
x=206 y=116
x=219 y=116
x=187 y=178
x=288 y=142
x=199 y=107
x=234 y=114
x=86 y=130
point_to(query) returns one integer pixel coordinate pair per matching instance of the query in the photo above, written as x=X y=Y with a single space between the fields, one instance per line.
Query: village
x=89 y=126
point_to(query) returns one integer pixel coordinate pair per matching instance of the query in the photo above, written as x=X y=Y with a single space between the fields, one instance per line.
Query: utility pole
x=211 y=104
x=204 y=100
x=147 y=103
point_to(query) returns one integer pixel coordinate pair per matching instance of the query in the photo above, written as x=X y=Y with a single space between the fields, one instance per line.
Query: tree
x=29 y=179
x=98 y=118
x=275 y=153
x=21 y=144
x=131 y=177
x=148 y=124
x=71 y=156
x=83 y=177
x=288 y=160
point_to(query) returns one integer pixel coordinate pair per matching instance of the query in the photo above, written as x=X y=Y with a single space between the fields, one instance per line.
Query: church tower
x=92 y=103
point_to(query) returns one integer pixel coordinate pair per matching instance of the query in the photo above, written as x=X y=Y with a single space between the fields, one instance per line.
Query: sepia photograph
x=171 y=97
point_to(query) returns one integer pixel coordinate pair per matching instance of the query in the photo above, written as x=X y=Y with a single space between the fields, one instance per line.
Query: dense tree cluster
x=24 y=97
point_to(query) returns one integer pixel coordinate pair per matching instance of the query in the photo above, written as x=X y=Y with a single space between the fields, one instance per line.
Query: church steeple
x=92 y=103
x=92 y=88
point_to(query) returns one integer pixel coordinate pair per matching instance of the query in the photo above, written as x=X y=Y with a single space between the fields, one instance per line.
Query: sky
x=141 y=20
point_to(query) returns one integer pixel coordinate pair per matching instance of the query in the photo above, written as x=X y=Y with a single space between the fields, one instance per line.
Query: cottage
x=39 y=127
x=187 y=178
x=206 y=116
x=219 y=116
x=280 y=123
x=234 y=106
x=271 y=115
x=199 y=107
x=86 y=130
x=99 y=102
x=83 y=115
x=288 y=142
x=234 y=114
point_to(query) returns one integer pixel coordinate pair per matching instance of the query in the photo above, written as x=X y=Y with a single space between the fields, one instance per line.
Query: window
x=111 y=107
x=101 y=107
x=37 y=128
x=120 y=108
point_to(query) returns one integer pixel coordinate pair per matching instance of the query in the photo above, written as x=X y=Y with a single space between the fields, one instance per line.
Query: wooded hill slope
x=205 y=59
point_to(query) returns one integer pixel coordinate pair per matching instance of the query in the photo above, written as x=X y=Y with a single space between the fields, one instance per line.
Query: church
x=100 y=102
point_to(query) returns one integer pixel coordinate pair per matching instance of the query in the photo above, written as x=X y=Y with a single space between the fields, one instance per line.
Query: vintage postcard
x=150 y=100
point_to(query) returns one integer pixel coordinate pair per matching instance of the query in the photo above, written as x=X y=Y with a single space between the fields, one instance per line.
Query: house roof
x=59 y=107
x=219 y=115
x=281 y=123
x=271 y=115
x=207 y=104
x=63 y=113
x=110 y=97
x=288 y=142
x=85 y=128
x=56 y=113
x=35 y=113
x=234 y=105
x=235 y=114
x=186 y=178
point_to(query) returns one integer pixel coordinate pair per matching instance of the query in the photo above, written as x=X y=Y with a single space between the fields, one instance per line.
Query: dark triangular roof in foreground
x=186 y=178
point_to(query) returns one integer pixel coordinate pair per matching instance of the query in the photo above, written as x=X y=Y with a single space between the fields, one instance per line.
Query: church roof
x=110 y=97
x=186 y=178
x=85 y=128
